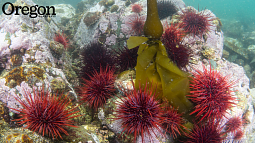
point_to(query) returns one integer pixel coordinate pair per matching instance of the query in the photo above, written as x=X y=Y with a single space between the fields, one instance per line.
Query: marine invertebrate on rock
x=238 y=135
x=94 y=56
x=56 y=48
x=211 y=92
x=45 y=113
x=139 y=112
x=194 y=22
x=178 y=52
x=61 y=38
x=127 y=3
x=91 y=18
x=206 y=133
x=114 y=8
x=166 y=8
x=234 y=124
x=16 y=59
x=106 y=3
x=172 y=34
x=126 y=58
x=136 y=23
x=99 y=87
x=137 y=8
x=172 y=121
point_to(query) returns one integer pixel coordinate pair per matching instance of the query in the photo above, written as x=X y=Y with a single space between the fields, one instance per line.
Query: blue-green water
x=241 y=10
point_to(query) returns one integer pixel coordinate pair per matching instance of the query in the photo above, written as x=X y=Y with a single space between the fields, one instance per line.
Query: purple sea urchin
x=126 y=58
x=94 y=56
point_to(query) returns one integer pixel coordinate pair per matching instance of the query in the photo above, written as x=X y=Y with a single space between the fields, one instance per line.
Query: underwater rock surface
x=30 y=58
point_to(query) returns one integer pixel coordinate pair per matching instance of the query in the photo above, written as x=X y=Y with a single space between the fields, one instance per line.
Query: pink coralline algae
x=9 y=23
x=20 y=40
x=7 y=95
x=111 y=40
x=4 y=50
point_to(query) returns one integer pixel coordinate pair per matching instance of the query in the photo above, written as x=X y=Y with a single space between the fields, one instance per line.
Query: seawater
x=239 y=10
x=242 y=10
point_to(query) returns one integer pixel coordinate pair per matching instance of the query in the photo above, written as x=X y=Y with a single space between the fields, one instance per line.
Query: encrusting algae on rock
x=19 y=74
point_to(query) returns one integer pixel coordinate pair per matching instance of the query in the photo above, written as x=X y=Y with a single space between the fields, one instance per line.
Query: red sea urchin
x=178 y=52
x=99 y=87
x=45 y=113
x=234 y=124
x=137 y=8
x=61 y=38
x=136 y=24
x=211 y=93
x=139 y=112
x=194 y=22
x=238 y=135
x=206 y=133
x=172 y=121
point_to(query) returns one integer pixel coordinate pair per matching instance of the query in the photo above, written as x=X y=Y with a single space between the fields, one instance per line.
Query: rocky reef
x=44 y=53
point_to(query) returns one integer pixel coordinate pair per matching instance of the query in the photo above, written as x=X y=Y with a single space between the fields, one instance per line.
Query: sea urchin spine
x=172 y=121
x=136 y=23
x=194 y=22
x=139 y=112
x=137 y=8
x=99 y=87
x=211 y=92
x=61 y=38
x=206 y=133
x=45 y=113
x=178 y=52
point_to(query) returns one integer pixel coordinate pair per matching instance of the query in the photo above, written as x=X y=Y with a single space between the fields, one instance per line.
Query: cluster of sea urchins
x=211 y=93
x=191 y=22
x=140 y=114
x=177 y=51
x=139 y=111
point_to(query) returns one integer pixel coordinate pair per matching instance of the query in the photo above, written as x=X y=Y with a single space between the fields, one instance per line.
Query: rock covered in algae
x=91 y=18
x=63 y=11
x=56 y=48
x=20 y=135
x=113 y=27
x=236 y=46
x=38 y=64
